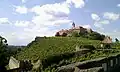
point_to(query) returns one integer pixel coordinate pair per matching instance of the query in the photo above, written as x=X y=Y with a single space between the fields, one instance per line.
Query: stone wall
x=108 y=64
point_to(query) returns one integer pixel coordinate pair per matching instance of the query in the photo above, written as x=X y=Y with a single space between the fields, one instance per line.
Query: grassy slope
x=42 y=48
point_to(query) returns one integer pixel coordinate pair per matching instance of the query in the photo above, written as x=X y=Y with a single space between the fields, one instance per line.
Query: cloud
x=21 y=9
x=22 y=23
x=51 y=14
x=104 y=22
x=100 y=24
x=95 y=17
x=21 y=38
x=46 y=16
x=118 y=5
x=57 y=8
x=115 y=30
x=111 y=16
x=77 y=3
x=4 y=21
x=86 y=26
x=23 y=1
x=45 y=22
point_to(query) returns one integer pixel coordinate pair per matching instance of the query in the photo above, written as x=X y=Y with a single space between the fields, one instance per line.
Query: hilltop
x=63 y=49
x=79 y=31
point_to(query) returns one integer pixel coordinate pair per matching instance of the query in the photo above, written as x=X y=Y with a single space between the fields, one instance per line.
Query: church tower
x=73 y=25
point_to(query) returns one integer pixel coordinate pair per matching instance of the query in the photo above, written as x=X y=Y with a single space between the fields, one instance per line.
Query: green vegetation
x=93 y=35
x=89 y=56
x=58 y=51
x=3 y=54
x=44 y=47
x=13 y=50
x=52 y=50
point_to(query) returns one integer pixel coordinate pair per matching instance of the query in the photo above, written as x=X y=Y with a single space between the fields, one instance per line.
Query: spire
x=73 y=25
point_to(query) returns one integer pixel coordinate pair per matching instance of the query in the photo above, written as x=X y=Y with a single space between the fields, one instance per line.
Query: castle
x=79 y=29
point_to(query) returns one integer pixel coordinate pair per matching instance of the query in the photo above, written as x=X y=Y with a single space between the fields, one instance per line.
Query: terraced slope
x=51 y=49
x=43 y=47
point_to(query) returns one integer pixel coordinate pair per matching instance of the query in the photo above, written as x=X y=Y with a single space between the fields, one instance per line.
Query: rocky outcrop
x=13 y=63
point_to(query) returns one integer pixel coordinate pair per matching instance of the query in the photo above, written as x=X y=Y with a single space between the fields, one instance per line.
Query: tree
x=3 y=54
x=57 y=34
x=116 y=40
x=75 y=34
x=96 y=36
x=64 y=34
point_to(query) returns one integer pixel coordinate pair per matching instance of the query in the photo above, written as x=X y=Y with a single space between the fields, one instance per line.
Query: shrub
x=57 y=34
x=75 y=34
x=91 y=47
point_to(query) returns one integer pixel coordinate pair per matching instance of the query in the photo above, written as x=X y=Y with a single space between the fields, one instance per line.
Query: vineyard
x=51 y=49
x=43 y=47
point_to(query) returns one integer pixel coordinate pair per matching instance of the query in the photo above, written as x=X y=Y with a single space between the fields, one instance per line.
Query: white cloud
x=95 y=17
x=111 y=16
x=86 y=26
x=21 y=38
x=23 y=1
x=115 y=30
x=118 y=5
x=4 y=21
x=21 y=9
x=46 y=17
x=56 y=8
x=104 y=22
x=100 y=24
x=97 y=24
x=77 y=3
x=22 y=23
x=63 y=21
x=51 y=14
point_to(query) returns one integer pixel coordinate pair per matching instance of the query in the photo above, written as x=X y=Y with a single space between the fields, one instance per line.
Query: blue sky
x=22 y=20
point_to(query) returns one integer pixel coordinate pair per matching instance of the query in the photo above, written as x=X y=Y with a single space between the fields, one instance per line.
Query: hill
x=54 y=52
x=79 y=31
x=57 y=51
x=43 y=47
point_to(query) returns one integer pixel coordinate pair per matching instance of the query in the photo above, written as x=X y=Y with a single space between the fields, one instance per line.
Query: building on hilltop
x=78 y=29
x=107 y=42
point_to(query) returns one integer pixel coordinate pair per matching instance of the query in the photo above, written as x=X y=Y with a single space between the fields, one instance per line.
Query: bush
x=75 y=34
x=64 y=34
x=95 y=36
x=91 y=47
x=57 y=34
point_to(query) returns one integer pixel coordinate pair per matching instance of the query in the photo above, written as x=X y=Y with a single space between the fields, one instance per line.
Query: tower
x=73 y=25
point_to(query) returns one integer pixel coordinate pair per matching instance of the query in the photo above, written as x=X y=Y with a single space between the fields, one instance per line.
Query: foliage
x=75 y=34
x=57 y=34
x=64 y=34
x=92 y=36
x=12 y=50
x=95 y=36
x=42 y=48
x=91 y=47
x=116 y=40
x=91 y=55
x=54 y=51
x=3 y=53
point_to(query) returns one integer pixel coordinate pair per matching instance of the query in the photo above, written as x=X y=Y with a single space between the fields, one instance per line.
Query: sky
x=22 y=20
